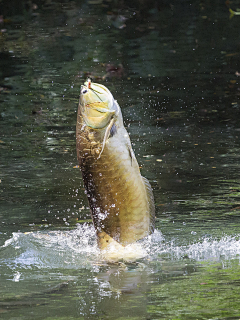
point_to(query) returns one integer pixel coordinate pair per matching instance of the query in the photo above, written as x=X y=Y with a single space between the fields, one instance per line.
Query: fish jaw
x=96 y=105
x=96 y=117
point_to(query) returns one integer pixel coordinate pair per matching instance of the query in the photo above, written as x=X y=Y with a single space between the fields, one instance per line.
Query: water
x=64 y=270
x=179 y=94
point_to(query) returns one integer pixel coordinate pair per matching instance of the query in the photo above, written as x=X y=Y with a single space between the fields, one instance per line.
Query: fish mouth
x=96 y=103
x=99 y=91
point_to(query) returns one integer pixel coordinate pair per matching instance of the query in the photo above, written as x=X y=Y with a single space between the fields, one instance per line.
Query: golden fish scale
x=117 y=194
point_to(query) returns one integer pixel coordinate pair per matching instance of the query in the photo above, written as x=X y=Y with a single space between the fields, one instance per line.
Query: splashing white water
x=131 y=252
x=78 y=249
x=206 y=248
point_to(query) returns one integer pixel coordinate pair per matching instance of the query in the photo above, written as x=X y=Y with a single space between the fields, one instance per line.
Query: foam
x=78 y=248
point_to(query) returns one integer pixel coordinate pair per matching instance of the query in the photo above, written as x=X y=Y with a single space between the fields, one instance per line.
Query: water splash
x=130 y=253
x=76 y=249
x=55 y=249
x=205 y=248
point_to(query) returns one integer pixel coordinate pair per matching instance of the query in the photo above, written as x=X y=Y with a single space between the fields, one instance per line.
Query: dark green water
x=179 y=94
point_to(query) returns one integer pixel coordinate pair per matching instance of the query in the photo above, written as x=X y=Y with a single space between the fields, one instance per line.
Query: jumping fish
x=120 y=199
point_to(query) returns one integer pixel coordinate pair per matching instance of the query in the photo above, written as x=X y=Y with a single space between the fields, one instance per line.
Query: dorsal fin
x=115 y=114
x=151 y=204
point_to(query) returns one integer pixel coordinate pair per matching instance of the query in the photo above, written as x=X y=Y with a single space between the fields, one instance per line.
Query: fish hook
x=89 y=82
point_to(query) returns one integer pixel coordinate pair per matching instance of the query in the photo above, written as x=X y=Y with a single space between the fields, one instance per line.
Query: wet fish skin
x=120 y=199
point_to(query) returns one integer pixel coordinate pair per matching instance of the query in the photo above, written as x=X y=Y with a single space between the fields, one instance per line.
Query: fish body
x=120 y=199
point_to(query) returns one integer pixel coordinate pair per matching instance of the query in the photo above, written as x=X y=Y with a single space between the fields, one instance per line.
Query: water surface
x=174 y=71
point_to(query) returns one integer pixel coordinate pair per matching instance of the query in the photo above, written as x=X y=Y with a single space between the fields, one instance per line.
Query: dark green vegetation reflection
x=174 y=68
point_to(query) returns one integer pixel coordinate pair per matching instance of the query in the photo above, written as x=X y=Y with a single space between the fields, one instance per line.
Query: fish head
x=96 y=105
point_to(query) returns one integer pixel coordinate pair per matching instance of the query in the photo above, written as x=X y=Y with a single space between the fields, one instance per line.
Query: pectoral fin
x=106 y=135
x=110 y=130
x=113 y=131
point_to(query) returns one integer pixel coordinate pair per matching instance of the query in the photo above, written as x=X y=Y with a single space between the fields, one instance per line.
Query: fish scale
x=120 y=199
